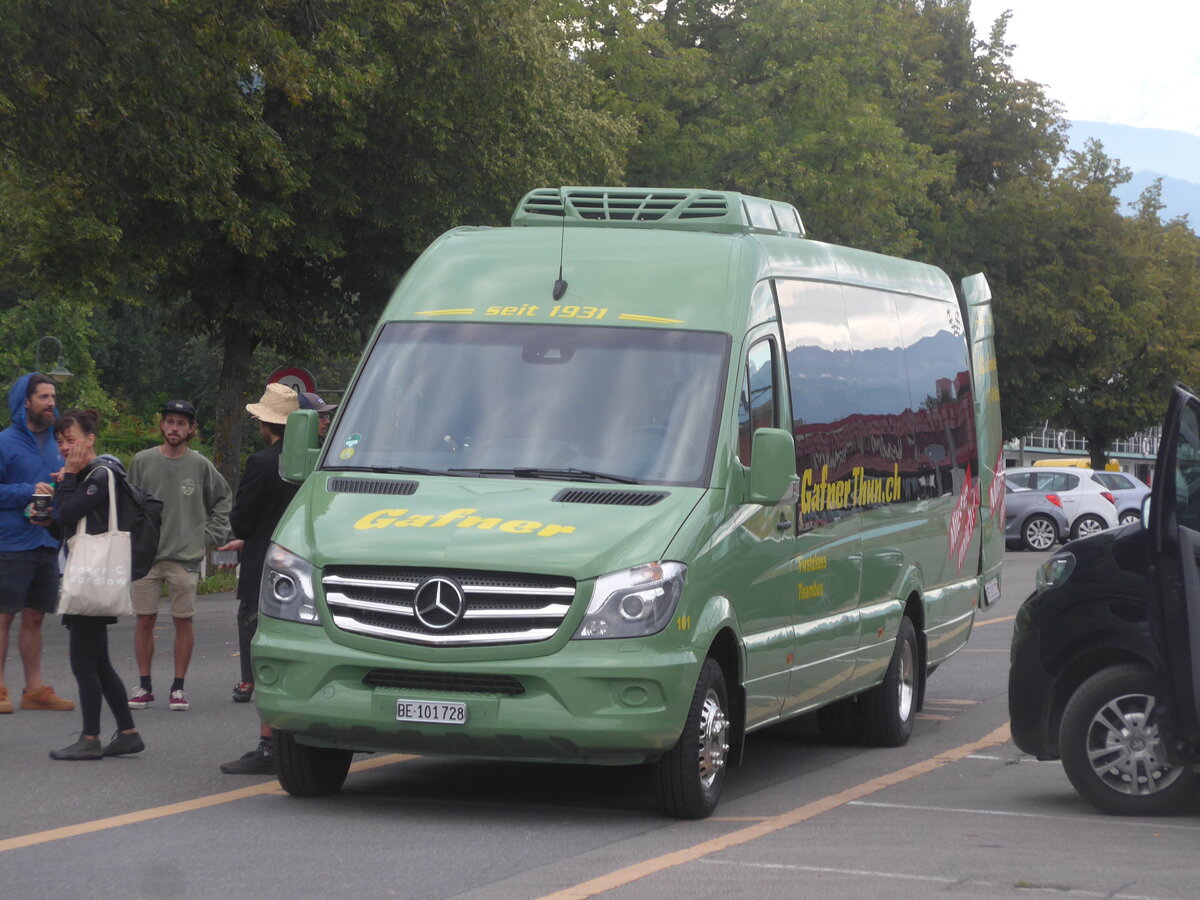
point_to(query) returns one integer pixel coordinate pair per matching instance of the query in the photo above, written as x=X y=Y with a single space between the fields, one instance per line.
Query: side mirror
x=772 y=466
x=301 y=446
x=1146 y=511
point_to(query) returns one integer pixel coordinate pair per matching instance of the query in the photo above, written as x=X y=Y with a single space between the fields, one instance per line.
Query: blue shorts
x=29 y=579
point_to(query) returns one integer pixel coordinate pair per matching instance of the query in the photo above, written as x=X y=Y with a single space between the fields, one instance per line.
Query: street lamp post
x=60 y=372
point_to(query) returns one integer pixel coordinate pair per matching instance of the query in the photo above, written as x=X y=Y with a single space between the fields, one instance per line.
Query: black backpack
x=141 y=516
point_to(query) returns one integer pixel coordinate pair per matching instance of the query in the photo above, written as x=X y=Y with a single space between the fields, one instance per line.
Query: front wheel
x=689 y=777
x=888 y=710
x=1039 y=532
x=1086 y=526
x=1112 y=749
x=309 y=771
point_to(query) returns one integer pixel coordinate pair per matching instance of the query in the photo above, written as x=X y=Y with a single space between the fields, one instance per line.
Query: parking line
x=629 y=874
x=994 y=621
x=172 y=809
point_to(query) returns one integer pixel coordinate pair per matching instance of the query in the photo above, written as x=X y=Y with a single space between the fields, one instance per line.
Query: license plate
x=444 y=713
x=991 y=590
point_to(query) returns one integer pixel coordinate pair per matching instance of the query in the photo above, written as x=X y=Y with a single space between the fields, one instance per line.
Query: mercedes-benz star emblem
x=439 y=603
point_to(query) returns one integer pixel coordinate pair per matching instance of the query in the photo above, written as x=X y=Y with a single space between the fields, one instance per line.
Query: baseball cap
x=184 y=407
x=309 y=400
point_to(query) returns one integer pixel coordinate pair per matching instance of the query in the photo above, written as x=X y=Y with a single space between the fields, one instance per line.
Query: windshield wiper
x=388 y=470
x=537 y=472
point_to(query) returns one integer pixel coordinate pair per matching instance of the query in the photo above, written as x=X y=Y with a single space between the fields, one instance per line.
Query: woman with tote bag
x=83 y=495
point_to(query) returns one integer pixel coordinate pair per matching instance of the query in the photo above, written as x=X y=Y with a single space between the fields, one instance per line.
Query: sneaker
x=5 y=704
x=177 y=700
x=243 y=691
x=140 y=698
x=45 y=698
x=123 y=744
x=259 y=761
x=84 y=748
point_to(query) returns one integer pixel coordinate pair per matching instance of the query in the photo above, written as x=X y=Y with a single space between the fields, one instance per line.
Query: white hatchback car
x=1089 y=505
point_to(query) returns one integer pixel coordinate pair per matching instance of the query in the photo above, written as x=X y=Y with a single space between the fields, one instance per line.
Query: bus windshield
x=570 y=402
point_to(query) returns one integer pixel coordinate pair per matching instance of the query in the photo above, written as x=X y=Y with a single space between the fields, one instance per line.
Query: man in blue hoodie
x=28 y=552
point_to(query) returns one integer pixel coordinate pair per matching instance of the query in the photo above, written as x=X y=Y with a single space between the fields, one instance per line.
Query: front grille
x=499 y=607
x=454 y=682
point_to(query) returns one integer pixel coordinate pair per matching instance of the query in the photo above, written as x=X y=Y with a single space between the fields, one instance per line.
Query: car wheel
x=689 y=776
x=889 y=709
x=1039 y=532
x=1130 y=515
x=309 y=771
x=1112 y=750
x=1086 y=526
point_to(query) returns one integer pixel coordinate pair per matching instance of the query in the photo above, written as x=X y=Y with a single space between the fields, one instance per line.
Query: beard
x=43 y=420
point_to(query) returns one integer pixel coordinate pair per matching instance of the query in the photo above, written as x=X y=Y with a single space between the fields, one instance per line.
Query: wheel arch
x=1082 y=667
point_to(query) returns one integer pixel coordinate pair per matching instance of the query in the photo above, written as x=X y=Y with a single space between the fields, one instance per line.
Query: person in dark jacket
x=262 y=497
x=82 y=493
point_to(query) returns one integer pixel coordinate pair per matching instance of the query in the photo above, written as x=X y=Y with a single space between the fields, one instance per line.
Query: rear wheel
x=889 y=709
x=688 y=779
x=1112 y=749
x=1039 y=532
x=1086 y=526
x=309 y=771
x=1130 y=515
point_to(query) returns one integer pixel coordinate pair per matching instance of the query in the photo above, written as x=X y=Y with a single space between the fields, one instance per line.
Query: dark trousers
x=247 y=622
x=95 y=675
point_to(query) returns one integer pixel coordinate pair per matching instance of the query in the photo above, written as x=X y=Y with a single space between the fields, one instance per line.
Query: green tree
x=269 y=170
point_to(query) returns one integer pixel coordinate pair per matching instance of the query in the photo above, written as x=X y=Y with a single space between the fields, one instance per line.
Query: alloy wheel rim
x=907 y=681
x=714 y=739
x=1125 y=750
x=1040 y=534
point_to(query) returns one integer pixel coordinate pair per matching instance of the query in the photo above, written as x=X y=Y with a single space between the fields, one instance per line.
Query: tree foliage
x=214 y=187
x=268 y=170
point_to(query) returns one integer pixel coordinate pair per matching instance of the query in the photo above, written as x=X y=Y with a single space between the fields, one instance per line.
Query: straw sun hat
x=277 y=402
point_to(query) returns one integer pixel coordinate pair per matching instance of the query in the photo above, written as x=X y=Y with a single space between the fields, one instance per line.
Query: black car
x=1103 y=672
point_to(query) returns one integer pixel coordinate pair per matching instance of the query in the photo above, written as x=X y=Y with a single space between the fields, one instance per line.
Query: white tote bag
x=96 y=582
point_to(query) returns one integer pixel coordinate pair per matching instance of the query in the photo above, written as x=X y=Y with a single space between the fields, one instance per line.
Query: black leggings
x=247 y=623
x=95 y=675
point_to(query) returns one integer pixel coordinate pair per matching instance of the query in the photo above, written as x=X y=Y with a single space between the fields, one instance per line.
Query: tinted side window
x=757 y=407
x=1020 y=479
x=939 y=380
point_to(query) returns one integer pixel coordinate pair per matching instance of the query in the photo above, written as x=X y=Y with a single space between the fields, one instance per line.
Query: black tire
x=689 y=777
x=1040 y=532
x=308 y=771
x=1130 y=515
x=840 y=722
x=1087 y=525
x=1111 y=750
x=889 y=709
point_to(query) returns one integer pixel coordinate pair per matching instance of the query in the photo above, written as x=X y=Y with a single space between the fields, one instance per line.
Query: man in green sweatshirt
x=196 y=501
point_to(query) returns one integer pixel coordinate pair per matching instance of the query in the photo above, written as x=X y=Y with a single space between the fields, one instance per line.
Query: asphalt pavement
x=957 y=811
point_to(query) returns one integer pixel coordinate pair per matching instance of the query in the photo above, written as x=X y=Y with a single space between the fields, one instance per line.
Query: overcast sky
x=1133 y=63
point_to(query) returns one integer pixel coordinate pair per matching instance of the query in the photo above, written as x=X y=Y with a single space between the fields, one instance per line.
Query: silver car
x=1128 y=490
x=1033 y=520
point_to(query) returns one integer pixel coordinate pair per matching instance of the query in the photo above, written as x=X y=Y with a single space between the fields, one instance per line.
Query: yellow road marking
x=994 y=621
x=172 y=809
x=629 y=874
x=933 y=717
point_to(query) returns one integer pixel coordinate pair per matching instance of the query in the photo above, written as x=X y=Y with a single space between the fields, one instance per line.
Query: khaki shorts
x=181 y=589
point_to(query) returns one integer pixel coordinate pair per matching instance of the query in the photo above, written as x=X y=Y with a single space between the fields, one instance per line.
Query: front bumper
x=614 y=702
x=1030 y=688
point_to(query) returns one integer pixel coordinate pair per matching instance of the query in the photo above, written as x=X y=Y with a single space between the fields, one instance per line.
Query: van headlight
x=286 y=590
x=634 y=602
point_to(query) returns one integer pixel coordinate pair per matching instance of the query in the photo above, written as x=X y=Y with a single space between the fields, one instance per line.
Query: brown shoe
x=5 y=704
x=45 y=698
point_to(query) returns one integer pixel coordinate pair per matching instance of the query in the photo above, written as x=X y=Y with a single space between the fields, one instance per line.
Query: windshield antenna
x=560 y=286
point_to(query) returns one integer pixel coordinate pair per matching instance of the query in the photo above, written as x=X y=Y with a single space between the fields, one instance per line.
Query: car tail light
x=1109 y=497
x=1055 y=499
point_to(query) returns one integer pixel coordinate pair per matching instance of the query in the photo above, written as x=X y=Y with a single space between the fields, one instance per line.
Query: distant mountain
x=1151 y=153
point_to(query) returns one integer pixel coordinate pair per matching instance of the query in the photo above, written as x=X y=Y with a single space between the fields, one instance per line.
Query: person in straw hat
x=262 y=497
